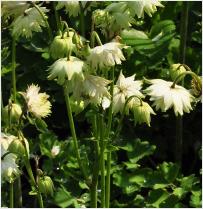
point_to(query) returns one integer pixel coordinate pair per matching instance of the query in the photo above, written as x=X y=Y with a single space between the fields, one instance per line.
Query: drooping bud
x=61 y=46
x=176 y=70
x=14 y=110
x=196 y=87
x=46 y=185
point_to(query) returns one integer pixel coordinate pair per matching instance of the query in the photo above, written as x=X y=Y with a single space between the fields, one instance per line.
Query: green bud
x=46 y=185
x=14 y=110
x=176 y=70
x=196 y=87
x=61 y=46
x=17 y=147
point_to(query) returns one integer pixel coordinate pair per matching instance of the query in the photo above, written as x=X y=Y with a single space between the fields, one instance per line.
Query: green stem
x=18 y=192
x=108 y=174
x=72 y=127
x=11 y=195
x=95 y=35
x=95 y=166
x=82 y=24
x=14 y=68
x=102 y=160
x=58 y=23
x=179 y=121
x=45 y=20
x=33 y=182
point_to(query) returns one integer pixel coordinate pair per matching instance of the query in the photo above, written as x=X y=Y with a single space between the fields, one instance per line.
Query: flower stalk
x=11 y=205
x=82 y=24
x=14 y=68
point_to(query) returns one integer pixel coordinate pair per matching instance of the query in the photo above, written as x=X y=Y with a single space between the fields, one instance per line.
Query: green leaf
x=41 y=125
x=179 y=192
x=196 y=199
x=188 y=182
x=169 y=171
x=139 y=201
x=63 y=198
x=170 y=202
x=156 y=197
x=133 y=34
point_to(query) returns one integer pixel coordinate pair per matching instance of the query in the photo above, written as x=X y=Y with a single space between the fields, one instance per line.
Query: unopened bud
x=17 y=147
x=46 y=185
x=176 y=70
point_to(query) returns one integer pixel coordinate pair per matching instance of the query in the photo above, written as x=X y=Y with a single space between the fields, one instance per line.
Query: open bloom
x=64 y=69
x=106 y=55
x=31 y=20
x=93 y=90
x=164 y=96
x=148 y=6
x=124 y=88
x=37 y=103
x=71 y=7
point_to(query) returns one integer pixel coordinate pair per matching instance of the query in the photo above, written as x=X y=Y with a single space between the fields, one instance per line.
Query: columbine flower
x=31 y=20
x=142 y=113
x=64 y=69
x=176 y=70
x=124 y=88
x=164 y=96
x=148 y=6
x=106 y=55
x=13 y=8
x=37 y=103
x=71 y=7
x=9 y=169
x=93 y=89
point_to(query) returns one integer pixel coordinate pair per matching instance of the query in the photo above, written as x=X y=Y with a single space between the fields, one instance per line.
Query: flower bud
x=61 y=46
x=196 y=87
x=17 y=147
x=176 y=70
x=15 y=112
x=46 y=185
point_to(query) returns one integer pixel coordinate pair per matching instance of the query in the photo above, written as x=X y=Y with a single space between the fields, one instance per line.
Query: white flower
x=106 y=55
x=148 y=6
x=9 y=168
x=71 y=7
x=142 y=113
x=13 y=8
x=31 y=20
x=55 y=150
x=37 y=103
x=64 y=69
x=165 y=97
x=94 y=88
x=124 y=88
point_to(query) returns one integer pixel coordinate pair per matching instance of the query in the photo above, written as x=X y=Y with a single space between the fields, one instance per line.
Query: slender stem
x=95 y=35
x=33 y=182
x=82 y=24
x=14 y=68
x=95 y=166
x=110 y=114
x=11 y=195
x=58 y=23
x=72 y=127
x=45 y=20
x=102 y=160
x=92 y=30
x=179 y=121
x=18 y=192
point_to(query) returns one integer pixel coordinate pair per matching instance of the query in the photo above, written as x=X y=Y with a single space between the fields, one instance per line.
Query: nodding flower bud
x=176 y=70
x=61 y=46
x=14 y=110
x=196 y=87
x=17 y=147
x=46 y=185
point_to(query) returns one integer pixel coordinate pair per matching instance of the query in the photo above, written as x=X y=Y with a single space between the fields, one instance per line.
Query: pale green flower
x=37 y=103
x=176 y=70
x=148 y=6
x=64 y=69
x=61 y=46
x=27 y=23
x=71 y=7
x=13 y=8
x=142 y=113
x=107 y=55
x=165 y=97
x=124 y=88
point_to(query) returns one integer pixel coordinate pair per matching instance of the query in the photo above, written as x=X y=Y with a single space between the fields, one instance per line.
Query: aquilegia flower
x=124 y=88
x=9 y=168
x=164 y=96
x=64 y=69
x=142 y=113
x=106 y=55
x=37 y=103
x=148 y=6
x=31 y=20
x=71 y=7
